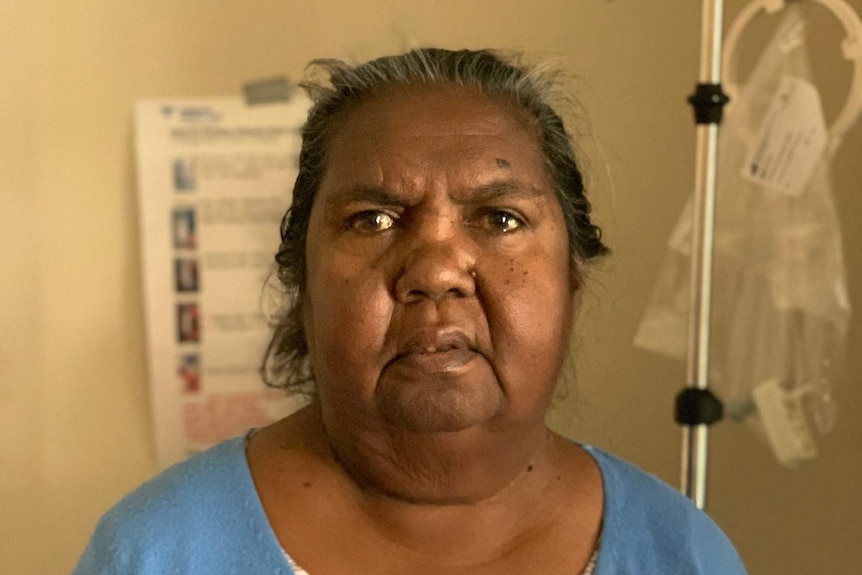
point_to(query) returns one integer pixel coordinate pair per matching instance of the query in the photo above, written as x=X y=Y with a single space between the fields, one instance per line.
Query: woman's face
x=439 y=295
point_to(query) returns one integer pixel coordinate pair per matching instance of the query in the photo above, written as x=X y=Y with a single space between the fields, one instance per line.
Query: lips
x=434 y=340
x=435 y=351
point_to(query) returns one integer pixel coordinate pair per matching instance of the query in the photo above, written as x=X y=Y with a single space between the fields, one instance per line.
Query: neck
x=469 y=495
x=463 y=534
x=443 y=468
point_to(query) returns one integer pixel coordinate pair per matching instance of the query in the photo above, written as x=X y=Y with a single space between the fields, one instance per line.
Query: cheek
x=537 y=309
x=531 y=310
x=346 y=315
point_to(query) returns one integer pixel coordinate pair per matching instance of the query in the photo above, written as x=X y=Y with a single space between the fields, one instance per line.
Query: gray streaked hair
x=336 y=87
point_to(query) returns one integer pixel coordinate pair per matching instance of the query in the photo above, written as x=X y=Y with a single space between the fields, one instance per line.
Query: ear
x=576 y=303
x=576 y=274
x=576 y=290
x=305 y=316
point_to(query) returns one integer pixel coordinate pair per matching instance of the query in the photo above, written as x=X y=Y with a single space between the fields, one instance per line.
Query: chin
x=436 y=420
x=442 y=408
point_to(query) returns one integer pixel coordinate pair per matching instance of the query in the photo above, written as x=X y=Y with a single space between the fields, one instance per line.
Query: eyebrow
x=485 y=193
x=362 y=193
x=488 y=193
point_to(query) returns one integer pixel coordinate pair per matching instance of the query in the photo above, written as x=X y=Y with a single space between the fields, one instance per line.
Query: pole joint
x=708 y=102
x=696 y=406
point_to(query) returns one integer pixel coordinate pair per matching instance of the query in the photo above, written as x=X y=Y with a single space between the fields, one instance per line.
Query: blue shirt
x=204 y=516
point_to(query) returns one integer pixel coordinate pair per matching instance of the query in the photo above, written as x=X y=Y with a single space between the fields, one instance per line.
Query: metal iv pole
x=696 y=407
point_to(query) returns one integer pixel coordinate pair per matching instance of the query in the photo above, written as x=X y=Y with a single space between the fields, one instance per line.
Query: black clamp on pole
x=708 y=102
x=698 y=407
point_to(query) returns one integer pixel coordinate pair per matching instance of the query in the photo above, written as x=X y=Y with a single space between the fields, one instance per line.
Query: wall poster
x=214 y=179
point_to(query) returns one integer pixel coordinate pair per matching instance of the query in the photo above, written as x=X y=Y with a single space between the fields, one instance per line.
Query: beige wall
x=73 y=404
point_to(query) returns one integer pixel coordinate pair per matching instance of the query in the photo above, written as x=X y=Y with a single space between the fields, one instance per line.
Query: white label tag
x=791 y=141
x=783 y=418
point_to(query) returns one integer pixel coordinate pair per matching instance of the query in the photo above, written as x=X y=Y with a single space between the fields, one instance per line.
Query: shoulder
x=648 y=527
x=191 y=517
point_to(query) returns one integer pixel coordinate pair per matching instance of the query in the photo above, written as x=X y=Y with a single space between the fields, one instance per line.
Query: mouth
x=434 y=340
x=436 y=351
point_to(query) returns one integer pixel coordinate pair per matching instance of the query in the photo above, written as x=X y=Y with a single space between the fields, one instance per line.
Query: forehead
x=432 y=132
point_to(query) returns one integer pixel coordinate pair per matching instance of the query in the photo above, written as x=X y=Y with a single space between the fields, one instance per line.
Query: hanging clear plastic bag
x=780 y=309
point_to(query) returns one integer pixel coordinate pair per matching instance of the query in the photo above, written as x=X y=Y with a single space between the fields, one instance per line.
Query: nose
x=438 y=263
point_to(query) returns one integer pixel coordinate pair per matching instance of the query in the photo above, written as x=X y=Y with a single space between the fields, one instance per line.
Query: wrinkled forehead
x=448 y=130
x=432 y=104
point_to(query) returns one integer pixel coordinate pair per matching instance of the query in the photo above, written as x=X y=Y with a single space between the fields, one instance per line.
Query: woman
x=435 y=252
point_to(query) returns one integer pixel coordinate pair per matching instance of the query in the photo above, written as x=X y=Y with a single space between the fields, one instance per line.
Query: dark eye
x=501 y=221
x=370 y=221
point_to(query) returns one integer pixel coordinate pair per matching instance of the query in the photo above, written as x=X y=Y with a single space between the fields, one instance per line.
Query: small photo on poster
x=189 y=370
x=186 y=274
x=184 y=229
x=185 y=179
x=188 y=323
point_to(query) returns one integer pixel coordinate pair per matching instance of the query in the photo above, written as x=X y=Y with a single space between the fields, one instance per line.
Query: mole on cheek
x=501 y=163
